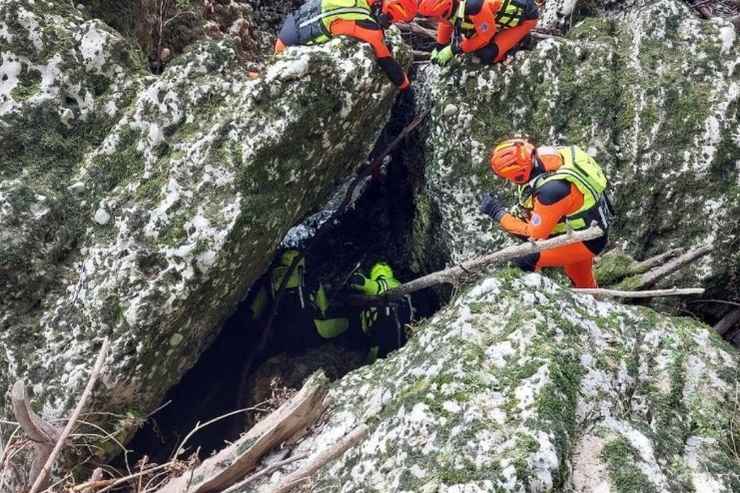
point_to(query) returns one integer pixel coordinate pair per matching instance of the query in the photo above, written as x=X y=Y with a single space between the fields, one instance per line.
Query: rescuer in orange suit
x=317 y=21
x=559 y=189
x=488 y=28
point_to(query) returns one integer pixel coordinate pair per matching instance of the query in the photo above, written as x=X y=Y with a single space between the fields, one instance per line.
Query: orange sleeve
x=544 y=217
x=444 y=32
x=485 y=27
x=374 y=37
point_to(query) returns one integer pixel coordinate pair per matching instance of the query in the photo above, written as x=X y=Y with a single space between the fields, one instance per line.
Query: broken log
x=41 y=478
x=473 y=266
x=728 y=322
x=320 y=460
x=653 y=276
x=238 y=459
x=615 y=293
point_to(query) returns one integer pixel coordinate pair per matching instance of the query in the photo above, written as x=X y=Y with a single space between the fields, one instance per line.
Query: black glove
x=492 y=206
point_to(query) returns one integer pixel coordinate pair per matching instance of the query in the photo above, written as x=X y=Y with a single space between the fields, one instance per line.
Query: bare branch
x=41 y=478
x=653 y=276
x=473 y=266
x=267 y=470
x=321 y=459
x=728 y=322
x=649 y=263
x=638 y=294
x=232 y=463
x=415 y=28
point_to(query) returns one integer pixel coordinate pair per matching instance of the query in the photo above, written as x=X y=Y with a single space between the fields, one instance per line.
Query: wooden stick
x=238 y=459
x=109 y=484
x=264 y=472
x=722 y=302
x=638 y=294
x=649 y=263
x=41 y=479
x=321 y=459
x=727 y=322
x=457 y=272
x=418 y=29
x=651 y=277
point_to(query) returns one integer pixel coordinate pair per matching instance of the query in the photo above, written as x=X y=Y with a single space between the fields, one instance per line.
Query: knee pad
x=528 y=262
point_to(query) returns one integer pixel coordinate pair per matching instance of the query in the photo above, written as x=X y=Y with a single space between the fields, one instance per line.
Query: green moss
x=29 y=84
x=621 y=461
x=612 y=268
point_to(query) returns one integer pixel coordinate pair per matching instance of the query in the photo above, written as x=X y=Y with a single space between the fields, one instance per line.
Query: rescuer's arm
x=482 y=13
x=554 y=201
x=444 y=33
x=371 y=33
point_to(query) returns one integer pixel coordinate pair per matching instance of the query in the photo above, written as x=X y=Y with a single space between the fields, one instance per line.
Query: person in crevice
x=559 y=188
x=383 y=326
x=304 y=317
x=487 y=29
x=317 y=21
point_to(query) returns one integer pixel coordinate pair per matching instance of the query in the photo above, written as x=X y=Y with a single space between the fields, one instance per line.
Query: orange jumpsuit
x=365 y=30
x=577 y=258
x=489 y=41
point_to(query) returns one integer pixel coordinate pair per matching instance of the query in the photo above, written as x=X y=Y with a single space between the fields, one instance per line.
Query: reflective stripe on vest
x=331 y=328
x=581 y=170
x=315 y=29
x=510 y=14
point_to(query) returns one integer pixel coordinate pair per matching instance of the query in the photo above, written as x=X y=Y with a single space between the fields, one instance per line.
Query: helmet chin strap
x=537 y=167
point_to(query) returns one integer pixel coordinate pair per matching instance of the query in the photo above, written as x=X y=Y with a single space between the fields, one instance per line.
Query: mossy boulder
x=521 y=385
x=652 y=94
x=141 y=208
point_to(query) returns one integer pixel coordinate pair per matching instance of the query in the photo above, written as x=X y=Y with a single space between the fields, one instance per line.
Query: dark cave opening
x=233 y=374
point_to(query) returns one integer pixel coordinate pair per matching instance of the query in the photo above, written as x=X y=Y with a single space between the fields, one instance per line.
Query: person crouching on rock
x=317 y=21
x=559 y=188
x=487 y=29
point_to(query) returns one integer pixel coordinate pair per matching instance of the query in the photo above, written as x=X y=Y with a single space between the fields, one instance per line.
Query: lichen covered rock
x=521 y=385
x=141 y=208
x=652 y=94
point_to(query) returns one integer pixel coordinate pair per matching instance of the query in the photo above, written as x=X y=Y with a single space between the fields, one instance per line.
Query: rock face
x=520 y=385
x=141 y=208
x=652 y=93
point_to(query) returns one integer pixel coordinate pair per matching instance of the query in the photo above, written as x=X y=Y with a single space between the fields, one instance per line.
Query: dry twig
x=41 y=478
x=638 y=294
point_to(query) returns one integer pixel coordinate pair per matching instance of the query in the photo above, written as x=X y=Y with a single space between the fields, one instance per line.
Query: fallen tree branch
x=41 y=478
x=649 y=263
x=473 y=266
x=321 y=459
x=232 y=463
x=263 y=472
x=638 y=294
x=722 y=302
x=415 y=28
x=653 y=276
x=727 y=322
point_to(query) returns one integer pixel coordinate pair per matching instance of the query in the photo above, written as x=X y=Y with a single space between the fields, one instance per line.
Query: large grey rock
x=141 y=208
x=652 y=94
x=521 y=385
